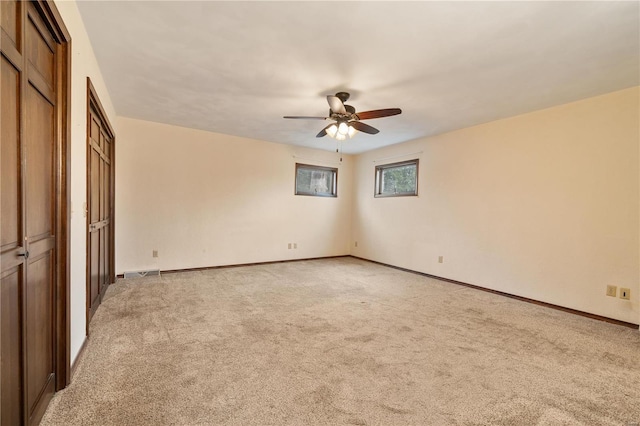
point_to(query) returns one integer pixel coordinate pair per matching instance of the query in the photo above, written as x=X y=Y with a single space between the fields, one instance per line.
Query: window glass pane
x=315 y=181
x=399 y=180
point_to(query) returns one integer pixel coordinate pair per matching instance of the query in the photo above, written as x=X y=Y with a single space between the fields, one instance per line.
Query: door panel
x=11 y=350
x=10 y=13
x=39 y=327
x=94 y=130
x=39 y=146
x=39 y=151
x=40 y=48
x=94 y=267
x=101 y=189
x=103 y=264
x=94 y=205
x=10 y=157
x=106 y=258
x=95 y=218
x=11 y=389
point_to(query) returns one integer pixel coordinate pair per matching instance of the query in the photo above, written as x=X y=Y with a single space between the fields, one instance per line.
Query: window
x=316 y=180
x=397 y=179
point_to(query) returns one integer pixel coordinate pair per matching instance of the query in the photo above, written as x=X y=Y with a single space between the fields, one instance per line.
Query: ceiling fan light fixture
x=341 y=131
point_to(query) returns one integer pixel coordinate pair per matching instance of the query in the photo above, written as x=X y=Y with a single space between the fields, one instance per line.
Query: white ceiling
x=238 y=67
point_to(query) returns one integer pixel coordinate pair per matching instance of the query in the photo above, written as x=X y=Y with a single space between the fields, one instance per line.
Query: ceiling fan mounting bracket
x=343 y=96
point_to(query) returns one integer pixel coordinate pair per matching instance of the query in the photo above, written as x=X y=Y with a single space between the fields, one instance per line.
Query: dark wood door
x=100 y=149
x=31 y=215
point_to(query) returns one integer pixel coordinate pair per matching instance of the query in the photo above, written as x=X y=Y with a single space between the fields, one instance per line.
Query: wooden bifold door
x=100 y=194
x=34 y=217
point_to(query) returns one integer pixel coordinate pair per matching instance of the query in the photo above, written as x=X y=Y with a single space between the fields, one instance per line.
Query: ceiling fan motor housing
x=350 y=110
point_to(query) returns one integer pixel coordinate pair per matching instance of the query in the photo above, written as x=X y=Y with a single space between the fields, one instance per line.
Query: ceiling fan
x=347 y=120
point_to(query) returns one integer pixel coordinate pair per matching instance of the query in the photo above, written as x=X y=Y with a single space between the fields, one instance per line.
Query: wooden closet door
x=30 y=210
x=12 y=264
x=100 y=181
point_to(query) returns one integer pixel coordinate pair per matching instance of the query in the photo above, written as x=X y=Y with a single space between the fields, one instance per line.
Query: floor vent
x=139 y=274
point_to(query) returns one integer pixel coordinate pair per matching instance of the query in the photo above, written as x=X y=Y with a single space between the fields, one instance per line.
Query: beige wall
x=206 y=199
x=83 y=64
x=542 y=205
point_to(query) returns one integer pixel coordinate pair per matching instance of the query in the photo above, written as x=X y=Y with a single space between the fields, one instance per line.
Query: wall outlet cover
x=612 y=290
x=625 y=293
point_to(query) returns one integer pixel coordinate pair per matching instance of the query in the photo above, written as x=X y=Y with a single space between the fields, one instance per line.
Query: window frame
x=334 y=190
x=377 y=181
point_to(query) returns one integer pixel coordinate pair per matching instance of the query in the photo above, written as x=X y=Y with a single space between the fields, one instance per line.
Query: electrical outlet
x=612 y=290
x=155 y=253
x=355 y=244
x=440 y=259
x=295 y=246
x=625 y=293
x=289 y=246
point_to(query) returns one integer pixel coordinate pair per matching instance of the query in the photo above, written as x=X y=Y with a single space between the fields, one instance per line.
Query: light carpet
x=342 y=341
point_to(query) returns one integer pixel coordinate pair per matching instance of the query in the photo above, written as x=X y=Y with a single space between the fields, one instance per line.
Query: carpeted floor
x=342 y=341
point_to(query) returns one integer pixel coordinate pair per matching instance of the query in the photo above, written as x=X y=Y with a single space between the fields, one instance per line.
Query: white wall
x=206 y=199
x=83 y=64
x=542 y=205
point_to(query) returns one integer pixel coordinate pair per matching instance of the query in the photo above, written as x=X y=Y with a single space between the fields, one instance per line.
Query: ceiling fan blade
x=378 y=113
x=365 y=128
x=304 y=117
x=336 y=104
x=323 y=131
